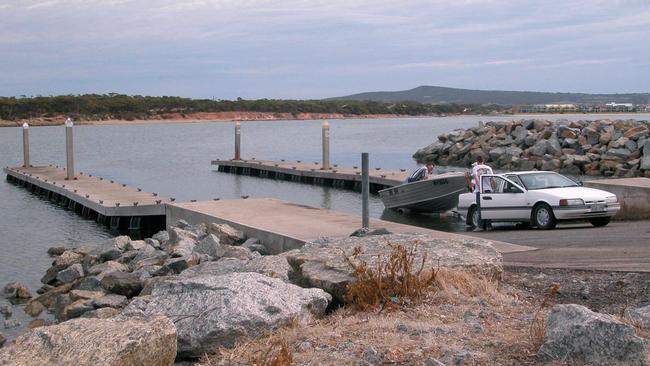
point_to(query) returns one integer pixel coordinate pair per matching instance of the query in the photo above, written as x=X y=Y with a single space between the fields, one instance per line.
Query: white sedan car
x=537 y=198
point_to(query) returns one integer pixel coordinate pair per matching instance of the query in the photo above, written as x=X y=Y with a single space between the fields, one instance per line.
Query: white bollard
x=26 y=163
x=69 y=149
x=365 y=190
x=237 y=141
x=326 y=145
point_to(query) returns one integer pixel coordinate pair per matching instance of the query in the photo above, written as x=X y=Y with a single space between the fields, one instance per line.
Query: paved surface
x=619 y=246
x=278 y=220
x=305 y=169
x=101 y=195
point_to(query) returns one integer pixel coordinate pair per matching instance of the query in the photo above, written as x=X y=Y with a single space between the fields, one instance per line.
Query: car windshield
x=546 y=180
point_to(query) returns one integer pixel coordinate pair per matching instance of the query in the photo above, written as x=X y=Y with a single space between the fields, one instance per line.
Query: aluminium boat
x=439 y=193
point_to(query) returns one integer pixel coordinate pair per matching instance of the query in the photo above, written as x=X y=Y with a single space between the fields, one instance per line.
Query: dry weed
x=401 y=279
x=275 y=352
x=455 y=284
x=396 y=280
x=538 y=324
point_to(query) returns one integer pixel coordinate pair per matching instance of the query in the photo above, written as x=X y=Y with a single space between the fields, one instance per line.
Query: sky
x=225 y=49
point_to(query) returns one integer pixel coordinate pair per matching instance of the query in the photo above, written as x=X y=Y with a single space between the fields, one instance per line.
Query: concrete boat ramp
x=283 y=226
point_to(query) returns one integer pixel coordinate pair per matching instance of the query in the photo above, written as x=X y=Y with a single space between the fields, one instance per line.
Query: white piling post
x=365 y=191
x=26 y=163
x=326 y=145
x=237 y=141
x=69 y=149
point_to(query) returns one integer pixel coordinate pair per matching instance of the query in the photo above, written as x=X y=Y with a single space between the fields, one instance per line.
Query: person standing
x=479 y=169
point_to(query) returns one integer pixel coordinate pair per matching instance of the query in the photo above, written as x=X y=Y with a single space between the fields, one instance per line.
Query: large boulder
x=181 y=242
x=645 y=161
x=636 y=132
x=275 y=266
x=70 y=274
x=121 y=283
x=539 y=149
x=213 y=311
x=146 y=341
x=577 y=334
x=111 y=249
x=148 y=258
x=325 y=266
x=67 y=259
x=215 y=268
x=16 y=290
x=227 y=234
x=102 y=269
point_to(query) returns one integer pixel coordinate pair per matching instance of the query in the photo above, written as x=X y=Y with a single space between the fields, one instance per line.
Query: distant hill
x=438 y=94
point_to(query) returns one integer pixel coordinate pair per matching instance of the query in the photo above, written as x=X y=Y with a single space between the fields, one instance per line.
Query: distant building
x=583 y=108
x=548 y=108
x=619 y=107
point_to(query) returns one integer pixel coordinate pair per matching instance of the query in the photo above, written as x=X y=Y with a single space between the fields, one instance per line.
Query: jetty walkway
x=114 y=205
x=312 y=173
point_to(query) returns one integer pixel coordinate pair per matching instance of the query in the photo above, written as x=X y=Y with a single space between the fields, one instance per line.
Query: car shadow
x=519 y=227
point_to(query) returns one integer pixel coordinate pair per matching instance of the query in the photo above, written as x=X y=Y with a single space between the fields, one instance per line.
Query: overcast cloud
x=313 y=49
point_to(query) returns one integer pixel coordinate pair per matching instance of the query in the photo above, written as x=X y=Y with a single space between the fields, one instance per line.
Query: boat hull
x=438 y=194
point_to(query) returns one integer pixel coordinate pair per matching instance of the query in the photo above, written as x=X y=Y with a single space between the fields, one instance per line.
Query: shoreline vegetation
x=94 y=109
x=117 y=107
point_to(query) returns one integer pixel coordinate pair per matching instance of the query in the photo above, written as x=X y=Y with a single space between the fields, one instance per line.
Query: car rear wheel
x=600 y=221
x=472 y=217
x=543 y=216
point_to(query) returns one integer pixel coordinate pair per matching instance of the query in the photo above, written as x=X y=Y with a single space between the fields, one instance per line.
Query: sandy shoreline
x=175 y=118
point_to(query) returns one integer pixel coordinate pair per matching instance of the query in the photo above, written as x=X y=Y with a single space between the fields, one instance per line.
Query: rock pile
x=210 y=283
x=619 y=148
x=220 y=283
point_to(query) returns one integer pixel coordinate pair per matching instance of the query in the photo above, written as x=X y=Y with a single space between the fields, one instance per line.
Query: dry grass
x=270 y=350
x=537 y=328
x=433 y=327
x=399 y=280
x=394 y=281
x=435 y=316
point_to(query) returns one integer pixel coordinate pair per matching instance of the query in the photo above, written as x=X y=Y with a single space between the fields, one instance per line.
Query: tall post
x=326 y=145
x=26 y=145
x=365 y=191
x=237 y=141
x=69 y=148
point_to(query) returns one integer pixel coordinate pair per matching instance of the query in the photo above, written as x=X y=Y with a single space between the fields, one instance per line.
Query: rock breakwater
x=210 y=289
x=610 y=148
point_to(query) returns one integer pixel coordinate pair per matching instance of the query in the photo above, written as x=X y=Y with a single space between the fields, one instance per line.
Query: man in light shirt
x=478 y=170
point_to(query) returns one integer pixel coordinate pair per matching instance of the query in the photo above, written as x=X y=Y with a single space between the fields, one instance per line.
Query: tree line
x=129 y=107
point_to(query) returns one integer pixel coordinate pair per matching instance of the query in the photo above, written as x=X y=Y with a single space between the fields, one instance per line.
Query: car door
x=502 y=199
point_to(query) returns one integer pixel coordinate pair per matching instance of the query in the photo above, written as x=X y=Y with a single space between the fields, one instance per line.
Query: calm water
x=174 y=160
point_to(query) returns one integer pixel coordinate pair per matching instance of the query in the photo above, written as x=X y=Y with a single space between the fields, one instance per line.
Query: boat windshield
x=417 y=174
x=545 y=180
